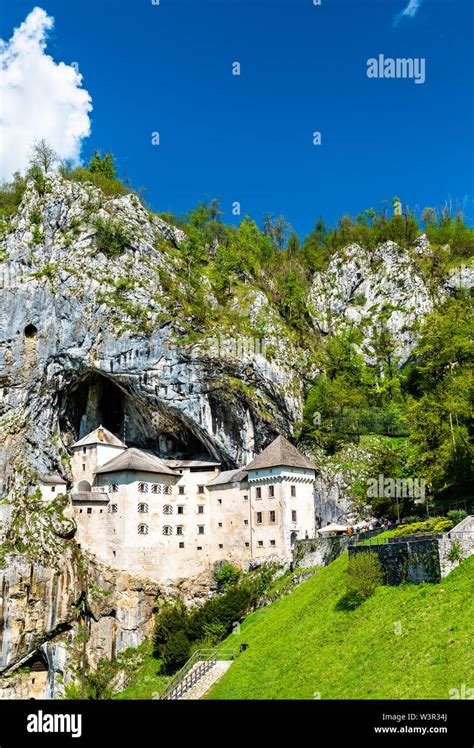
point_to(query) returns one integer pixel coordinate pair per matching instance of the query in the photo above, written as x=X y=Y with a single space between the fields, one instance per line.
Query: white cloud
x=410 y=11
x=40 y=97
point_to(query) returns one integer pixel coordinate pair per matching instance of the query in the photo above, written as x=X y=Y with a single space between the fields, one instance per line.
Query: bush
x=226 y=575
x=455 y=553
x=112 y=238
x=410 y=520
x=434 y=524
x=457 y=515
x=175 y=651
x=365 y=573
x=170 y=620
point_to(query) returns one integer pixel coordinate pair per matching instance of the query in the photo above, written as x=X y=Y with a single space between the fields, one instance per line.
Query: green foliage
x=364 y=574
x=226 y=575
x=11 y=195
x=455 y=553
x=112 y=238
x=434 y=524
x=457 y=516
x=104 y=165
x=111 y=187
x=175 y=650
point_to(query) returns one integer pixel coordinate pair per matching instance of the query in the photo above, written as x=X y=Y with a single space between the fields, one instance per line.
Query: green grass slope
x=407 y=642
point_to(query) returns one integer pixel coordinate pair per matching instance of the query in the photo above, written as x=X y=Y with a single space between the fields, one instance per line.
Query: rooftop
x=52 y=479
x=229 y=476
x=135 y=459
x=280 y=453
x=100 y=435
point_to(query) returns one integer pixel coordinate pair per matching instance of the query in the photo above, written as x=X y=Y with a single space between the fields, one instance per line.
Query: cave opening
x=30 y=331
x=95 y=400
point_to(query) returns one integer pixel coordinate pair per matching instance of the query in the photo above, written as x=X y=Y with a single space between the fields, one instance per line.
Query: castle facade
x=168 y=519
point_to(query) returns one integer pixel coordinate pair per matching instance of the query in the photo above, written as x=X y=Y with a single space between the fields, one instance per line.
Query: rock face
x=368 y=288
x=86 y=339
x=40 y=617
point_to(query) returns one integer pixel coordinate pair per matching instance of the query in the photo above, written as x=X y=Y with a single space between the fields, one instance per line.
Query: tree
x=104 y=165
x=43 y=155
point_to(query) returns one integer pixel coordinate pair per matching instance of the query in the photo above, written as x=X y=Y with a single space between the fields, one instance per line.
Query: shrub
x=170 y=620
x=410 y=520
x=365 y=573
x=457 y=515
x=455 y=553
x=226 y=575
x=434 y=524
x=175 y=651
x=112 y=238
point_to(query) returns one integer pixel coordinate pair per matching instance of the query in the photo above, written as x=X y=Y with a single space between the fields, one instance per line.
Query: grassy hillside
x=412 y=641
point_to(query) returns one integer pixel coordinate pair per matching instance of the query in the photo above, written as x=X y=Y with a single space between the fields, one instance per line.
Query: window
x=168 y=490
x=200 y=489
x=293 y=515
x=180 y=510
x=83 y=466
x=112 y=508
x=179 y=530
x=80 y=511
x=201 y=509
x=246 y=521
x=84 y=450
x=260 y=543
x=143 y=487
x=143 y=529
x=156 y=488
x=143 y=508
x=113 y=488
x=259 y=492
x=271 y=491
x=247 y=545
x=201 y=530
x=219 y=501
x=259 y=518
x=89 y=510
x=181 y=490
x=53 y=488
x=167 y=509
x=167 y=530
x=221 y=545
x=199 y=548
x=220 y=524
x=100 y=512
x=246 y=498
x=272 y=542
x=181 y=545
x=293 y=490
x=272 y=516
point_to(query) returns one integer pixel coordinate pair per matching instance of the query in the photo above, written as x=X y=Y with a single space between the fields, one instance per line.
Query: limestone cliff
x=93 y=334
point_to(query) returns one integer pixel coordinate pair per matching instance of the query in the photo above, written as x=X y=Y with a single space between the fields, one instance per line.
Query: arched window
x=167 y=509
x=143 y=529
x=167 y=530
x=84 y=487
x=156 y=488
x=168 y=490
x=112 y=508
x=143 y=487
x=113 y=488
x=143 y=508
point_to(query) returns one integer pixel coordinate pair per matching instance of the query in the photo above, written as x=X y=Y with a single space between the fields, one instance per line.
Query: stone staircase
x=201 y=671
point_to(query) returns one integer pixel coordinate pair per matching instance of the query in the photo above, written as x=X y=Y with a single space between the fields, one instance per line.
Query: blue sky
x=248 y=138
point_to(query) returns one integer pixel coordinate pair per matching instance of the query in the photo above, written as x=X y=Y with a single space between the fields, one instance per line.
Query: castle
x=168 y=519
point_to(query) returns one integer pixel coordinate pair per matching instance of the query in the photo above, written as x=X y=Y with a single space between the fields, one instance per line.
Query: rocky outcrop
x=41 y=617
x=375 y=289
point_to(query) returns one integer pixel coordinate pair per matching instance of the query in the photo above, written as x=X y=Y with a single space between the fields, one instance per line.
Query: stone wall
x=459 y=542
x=412 y=561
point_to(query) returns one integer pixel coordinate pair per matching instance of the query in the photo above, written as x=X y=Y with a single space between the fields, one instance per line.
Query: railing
x=193 y=670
